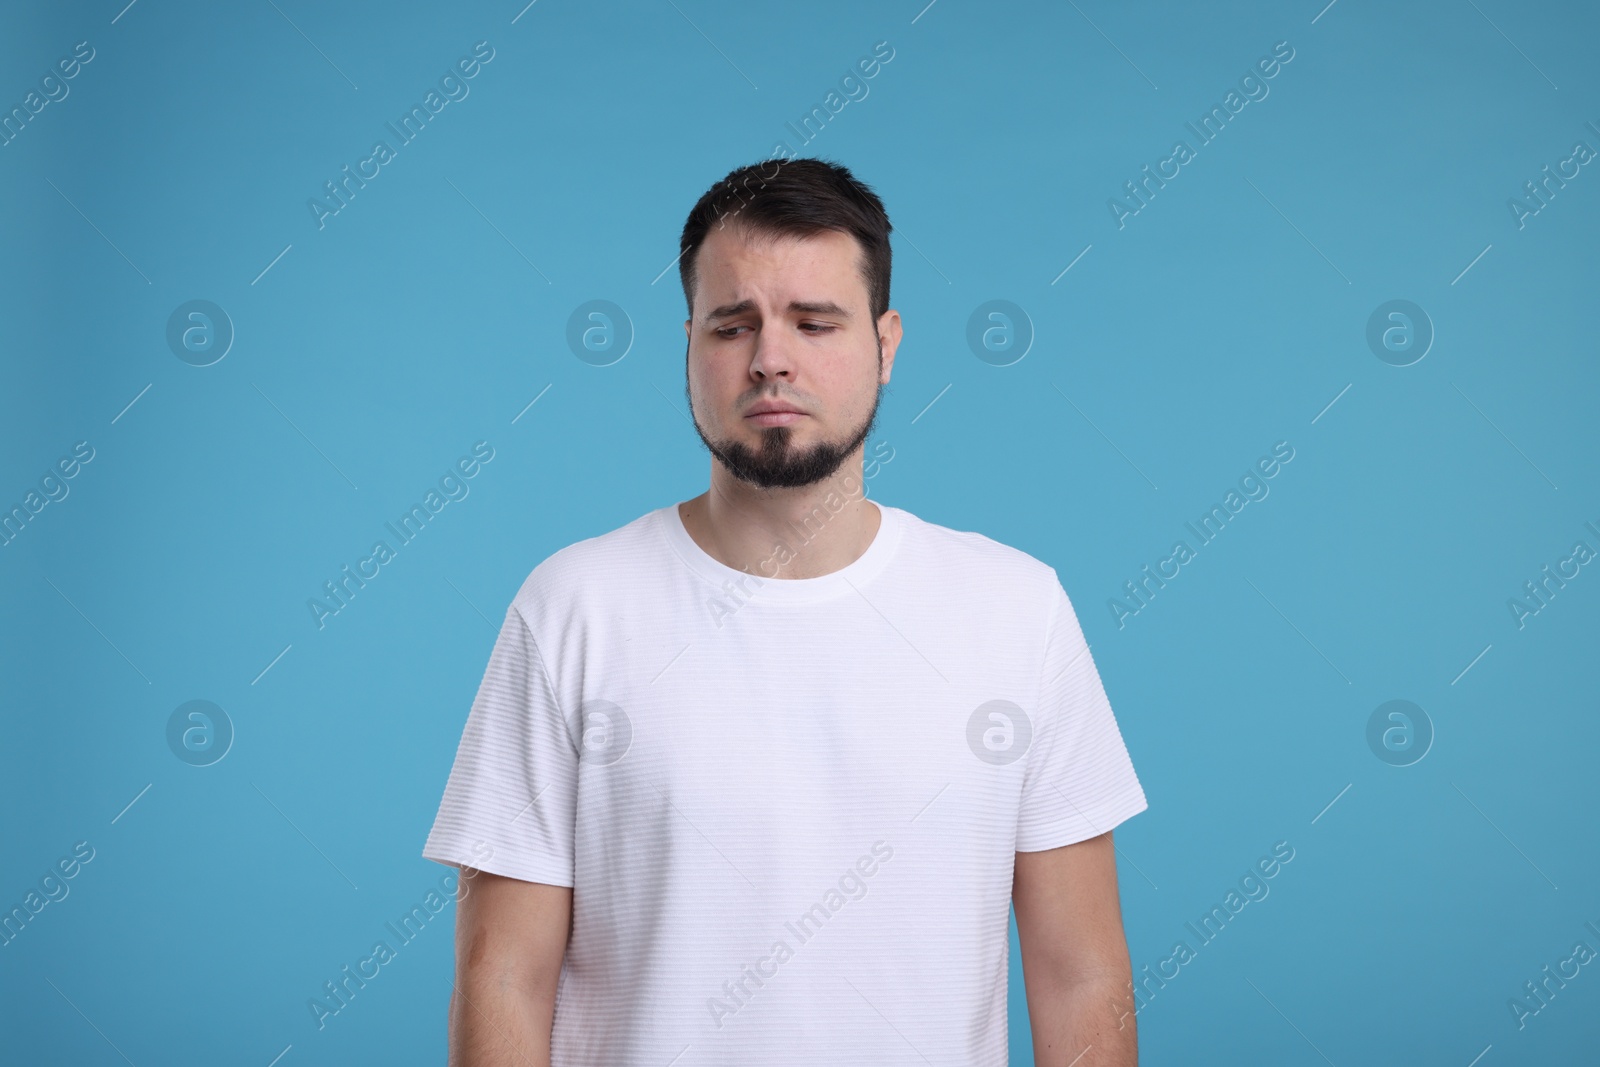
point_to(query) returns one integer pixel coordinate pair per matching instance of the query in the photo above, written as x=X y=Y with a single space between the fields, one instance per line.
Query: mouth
x=774 y=413
x=775 y=417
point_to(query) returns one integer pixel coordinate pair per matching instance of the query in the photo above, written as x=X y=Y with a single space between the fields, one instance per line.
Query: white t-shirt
x=790 y=813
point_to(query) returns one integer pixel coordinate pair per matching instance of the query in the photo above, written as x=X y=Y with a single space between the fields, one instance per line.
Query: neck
x=805 y=532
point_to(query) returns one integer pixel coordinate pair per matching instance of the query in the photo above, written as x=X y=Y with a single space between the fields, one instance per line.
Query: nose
x=771 y=357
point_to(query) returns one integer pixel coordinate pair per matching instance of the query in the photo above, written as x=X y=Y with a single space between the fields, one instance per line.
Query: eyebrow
x=804 y=307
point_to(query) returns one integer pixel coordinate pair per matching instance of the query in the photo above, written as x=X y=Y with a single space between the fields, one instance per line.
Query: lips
x=773 y=407
x=771 y=413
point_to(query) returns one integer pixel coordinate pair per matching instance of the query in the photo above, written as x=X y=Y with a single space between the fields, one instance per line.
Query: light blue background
x=427 y=314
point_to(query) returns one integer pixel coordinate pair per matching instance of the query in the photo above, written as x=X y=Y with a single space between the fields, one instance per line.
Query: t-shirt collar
x=756 y=584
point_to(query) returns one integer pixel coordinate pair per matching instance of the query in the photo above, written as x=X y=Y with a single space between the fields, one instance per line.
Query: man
x=752 y=779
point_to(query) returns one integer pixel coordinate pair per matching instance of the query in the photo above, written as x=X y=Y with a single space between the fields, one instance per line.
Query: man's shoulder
x=592 y=564
x=968 y=554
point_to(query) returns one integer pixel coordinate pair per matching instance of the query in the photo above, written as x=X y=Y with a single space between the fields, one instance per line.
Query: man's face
x=784 y=321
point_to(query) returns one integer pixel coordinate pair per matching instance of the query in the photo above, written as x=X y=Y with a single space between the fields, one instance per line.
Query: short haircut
x=794 y=198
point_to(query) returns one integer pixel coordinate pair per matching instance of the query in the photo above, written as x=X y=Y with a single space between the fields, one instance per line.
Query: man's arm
x=1075 y=956
x=511 y=937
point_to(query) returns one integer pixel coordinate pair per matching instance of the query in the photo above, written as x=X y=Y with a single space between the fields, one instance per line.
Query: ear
x=686 y=332
x=890 y=332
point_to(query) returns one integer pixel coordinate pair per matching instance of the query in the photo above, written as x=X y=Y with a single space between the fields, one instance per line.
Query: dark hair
x=794 y=198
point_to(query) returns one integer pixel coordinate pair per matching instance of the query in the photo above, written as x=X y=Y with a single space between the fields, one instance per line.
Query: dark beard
x=775 y=465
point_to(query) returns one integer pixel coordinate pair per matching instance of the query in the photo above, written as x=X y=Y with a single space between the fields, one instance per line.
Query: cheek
x=716 y=385
x=845 y=393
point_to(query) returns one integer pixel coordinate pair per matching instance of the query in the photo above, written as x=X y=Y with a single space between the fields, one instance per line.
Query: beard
x=777 y=463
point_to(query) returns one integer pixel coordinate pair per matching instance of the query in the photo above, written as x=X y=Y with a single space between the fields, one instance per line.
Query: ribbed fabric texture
x=788 y=808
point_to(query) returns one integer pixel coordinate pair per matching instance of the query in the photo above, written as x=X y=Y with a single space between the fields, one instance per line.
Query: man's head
x=785 y=269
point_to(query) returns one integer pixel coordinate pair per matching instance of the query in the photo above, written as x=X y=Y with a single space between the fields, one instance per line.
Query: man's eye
x=816 y=327
x=727 y=331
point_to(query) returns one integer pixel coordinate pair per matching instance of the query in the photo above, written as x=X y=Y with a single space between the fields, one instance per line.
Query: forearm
x=495 y=1024
x=1084 y=1022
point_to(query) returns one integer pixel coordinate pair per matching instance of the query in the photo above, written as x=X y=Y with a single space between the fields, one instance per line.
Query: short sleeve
x=1079 y=782
x=510 y=801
